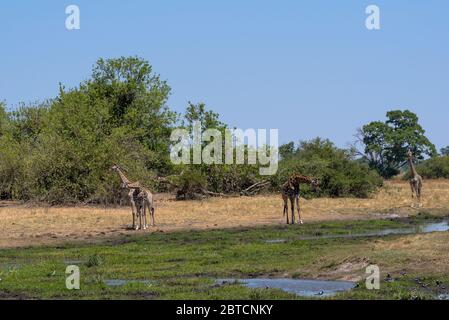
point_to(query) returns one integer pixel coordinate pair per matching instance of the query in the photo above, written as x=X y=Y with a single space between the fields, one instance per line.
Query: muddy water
x=442 y=226
x=419 y=229
x=119 y=282
x=74 y=262
x=276 y=241
x=434 y=227
x=305 y=288
x=10 y=266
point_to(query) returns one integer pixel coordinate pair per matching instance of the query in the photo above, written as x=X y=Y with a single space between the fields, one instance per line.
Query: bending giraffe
x=140 y=199
x=290 y=191
x=416 y=181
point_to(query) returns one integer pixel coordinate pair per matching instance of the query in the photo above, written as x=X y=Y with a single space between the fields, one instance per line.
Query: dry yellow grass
x=422 y=254
x=23 y=226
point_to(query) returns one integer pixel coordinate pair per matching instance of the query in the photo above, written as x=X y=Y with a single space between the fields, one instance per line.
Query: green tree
x=66 y=145
x=28 y=121
x=386 y=143
x=11 y=156
x=433 y=168
x=199 y=113
x=137 y=100
x=339 y=173
x=445 y=151
x=3 y=119
x=220 y=178
x=287 y=150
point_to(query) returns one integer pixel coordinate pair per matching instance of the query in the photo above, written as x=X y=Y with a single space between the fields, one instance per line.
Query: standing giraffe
x=416 y=181
x=139 y=197
x=290 y=190
x=146 y=202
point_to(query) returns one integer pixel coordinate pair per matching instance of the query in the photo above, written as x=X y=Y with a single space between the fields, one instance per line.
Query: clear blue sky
x=308 y=68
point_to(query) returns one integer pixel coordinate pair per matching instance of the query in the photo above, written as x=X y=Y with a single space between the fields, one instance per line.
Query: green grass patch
x=184 y=265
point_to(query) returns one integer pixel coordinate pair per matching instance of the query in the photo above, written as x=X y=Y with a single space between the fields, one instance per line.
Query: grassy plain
x=24 y=225
x=198 y=242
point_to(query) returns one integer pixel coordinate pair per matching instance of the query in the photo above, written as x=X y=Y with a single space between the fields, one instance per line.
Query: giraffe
x=139 y=197
x=290 y=190
x=146 y=201
x=416 y=181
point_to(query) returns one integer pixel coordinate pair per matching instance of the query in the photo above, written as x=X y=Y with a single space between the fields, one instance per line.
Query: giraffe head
x=410 y=154
x=315 y=183
x=119 y=170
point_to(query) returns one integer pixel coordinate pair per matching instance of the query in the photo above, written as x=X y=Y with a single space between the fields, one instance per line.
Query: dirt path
x=29 y=226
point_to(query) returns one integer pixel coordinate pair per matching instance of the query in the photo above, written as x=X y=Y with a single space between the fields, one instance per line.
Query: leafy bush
x=94 y=260
x=387 y=143
x=434 y=168
x=340 y=175
x=60 y=151
x=11 y=168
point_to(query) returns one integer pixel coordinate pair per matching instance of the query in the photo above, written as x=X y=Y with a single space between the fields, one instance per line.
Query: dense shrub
x=60 y=151
x=434 y=168
x=339 y=173
x=11 y=168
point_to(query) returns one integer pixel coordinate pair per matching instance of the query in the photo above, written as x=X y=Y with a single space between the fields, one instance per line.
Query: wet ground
x=305 y=288
x=431 y=227
x=120 y=282
x=74 y=262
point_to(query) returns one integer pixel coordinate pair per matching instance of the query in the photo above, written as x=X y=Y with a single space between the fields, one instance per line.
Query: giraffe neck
x=124 y=179
x=295 y=181
x=412 y=167
x=302 y=179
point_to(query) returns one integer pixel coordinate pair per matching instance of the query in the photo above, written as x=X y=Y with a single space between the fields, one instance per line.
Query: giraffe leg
x=299 y=209
x=144 y=208
x=285 y=201
x=134 y=209
x=140 y=215
x=284 y=198
x=153 y=222
x=292 y=203
x=412 y=187
x=419 y=197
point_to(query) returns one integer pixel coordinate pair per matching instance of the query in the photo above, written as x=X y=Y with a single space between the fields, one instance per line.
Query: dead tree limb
x=215 y=194
x=255 y=187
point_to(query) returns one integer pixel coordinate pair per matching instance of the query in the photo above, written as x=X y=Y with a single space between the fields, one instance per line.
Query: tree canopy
x=60 y=150
x=66 y=145
x=387 y=143
x=445 y=151
x=338 y=172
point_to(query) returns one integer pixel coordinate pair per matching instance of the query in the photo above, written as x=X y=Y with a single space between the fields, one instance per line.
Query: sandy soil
x=22 y=225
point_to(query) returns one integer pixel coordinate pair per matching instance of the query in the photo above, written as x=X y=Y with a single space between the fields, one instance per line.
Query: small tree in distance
x=445 y=151
x=386 y=143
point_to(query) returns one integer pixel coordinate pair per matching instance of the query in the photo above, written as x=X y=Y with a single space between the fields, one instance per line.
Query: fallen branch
x=215 y=194
x=255 y=187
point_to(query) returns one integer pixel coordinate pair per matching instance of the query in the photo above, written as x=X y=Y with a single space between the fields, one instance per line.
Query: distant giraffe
x=290 y=190
x=416 y=181
x=140 y=199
